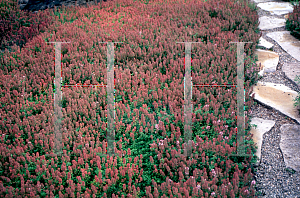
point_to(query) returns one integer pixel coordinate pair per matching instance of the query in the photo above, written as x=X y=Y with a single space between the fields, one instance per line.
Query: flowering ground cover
x=293 y=22
x=17 y=27
x=149 y=98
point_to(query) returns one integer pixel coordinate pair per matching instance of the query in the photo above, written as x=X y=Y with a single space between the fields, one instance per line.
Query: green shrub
x=17 y=26
x=293 y=21
x=297 y=99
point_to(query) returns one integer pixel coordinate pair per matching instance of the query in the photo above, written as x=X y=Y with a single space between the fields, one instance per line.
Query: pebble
x=272 y=177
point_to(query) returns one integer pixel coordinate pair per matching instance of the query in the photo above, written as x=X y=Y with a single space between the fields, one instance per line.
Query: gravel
x=273 y=178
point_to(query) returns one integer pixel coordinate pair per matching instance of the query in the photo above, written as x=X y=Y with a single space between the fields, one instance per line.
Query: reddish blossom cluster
x=149 y=91
x=17 y=27
x=293 y=21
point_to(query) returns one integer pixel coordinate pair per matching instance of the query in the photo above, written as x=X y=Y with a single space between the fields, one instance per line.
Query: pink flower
x=187 y=170
x=208 y=127
x=253 y=182
x=221 y=133
x=226 y=137
x=161 y=142
x=214 y=172
x=156 y=126
x=213 y=194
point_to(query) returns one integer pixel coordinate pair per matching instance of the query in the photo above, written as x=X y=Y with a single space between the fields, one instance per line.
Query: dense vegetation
x=149 y=91
x=293 y=21
x=17 y=27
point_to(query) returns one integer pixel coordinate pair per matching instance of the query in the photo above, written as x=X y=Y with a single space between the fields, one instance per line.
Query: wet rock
x=35 y=5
